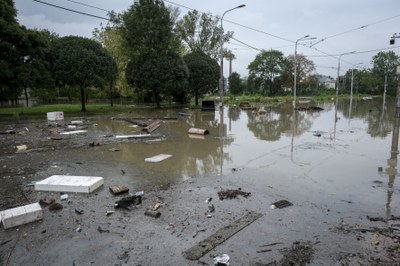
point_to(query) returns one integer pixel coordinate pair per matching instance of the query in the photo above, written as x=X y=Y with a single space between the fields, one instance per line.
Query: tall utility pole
x=221 y=76
x=304 y=38
x=398 y=92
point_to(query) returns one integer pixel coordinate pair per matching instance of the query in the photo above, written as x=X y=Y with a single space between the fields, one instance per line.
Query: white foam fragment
x=67 y=183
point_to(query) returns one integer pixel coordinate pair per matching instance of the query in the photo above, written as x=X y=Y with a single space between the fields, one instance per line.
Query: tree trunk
x=196 y=98
x=157 y=98
x=26 y=97
x=83 y=109
x=111 y=94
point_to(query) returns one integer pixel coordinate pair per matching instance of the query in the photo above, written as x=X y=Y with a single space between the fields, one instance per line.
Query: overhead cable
x=71 y=10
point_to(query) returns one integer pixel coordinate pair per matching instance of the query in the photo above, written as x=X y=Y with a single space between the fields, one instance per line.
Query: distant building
x=328 y=82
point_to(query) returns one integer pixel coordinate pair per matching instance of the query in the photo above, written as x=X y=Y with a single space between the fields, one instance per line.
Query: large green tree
x=235 y=84
x=147 y=31
x=204 y=74
x=81 y=62
x=384 y=66
x=265 y=70
x=110 y=37
x=305 y=67
x=12 y=39
x=200 y=32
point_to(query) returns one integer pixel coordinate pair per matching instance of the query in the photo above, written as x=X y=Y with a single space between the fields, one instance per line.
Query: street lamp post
x=221 y=78
x=338 y=72
x=352 y=78
x=304 y=38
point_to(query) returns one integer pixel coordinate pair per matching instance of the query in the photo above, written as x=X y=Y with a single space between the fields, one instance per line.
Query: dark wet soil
x=89 y=230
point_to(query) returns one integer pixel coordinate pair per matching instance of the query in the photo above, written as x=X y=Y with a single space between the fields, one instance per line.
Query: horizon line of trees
x=149 y=54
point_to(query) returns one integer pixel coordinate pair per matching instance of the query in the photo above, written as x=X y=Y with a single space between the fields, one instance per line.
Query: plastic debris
x=222 y=260
x=152 y=213
x=157 y=158
x=208 y=200
x=21 y=148
x=128 y=202
x=108 y=213
x=281 y=204
x=64 y=197
x=211 y=207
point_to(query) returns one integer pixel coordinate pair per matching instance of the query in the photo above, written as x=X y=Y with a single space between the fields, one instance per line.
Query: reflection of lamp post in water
x=351 y=89
x=221 y=137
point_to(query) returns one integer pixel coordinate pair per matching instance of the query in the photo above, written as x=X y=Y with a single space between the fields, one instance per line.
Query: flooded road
x=338 y=167
x=334 y=153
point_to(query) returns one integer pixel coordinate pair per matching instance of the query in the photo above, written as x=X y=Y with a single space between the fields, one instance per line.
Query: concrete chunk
x=66 y=183
x=21 y=215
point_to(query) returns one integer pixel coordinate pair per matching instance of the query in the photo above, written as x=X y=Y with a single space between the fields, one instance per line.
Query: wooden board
x=21 y=215
x=158 y=158
x=204 y=246
x=136 y=136
x=73 y=132
x=66 y=183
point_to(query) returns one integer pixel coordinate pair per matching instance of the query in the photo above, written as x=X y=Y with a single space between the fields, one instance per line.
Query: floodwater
x=347 y=152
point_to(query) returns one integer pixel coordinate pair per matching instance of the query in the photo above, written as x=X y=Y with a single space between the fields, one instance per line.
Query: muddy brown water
x=337 y=166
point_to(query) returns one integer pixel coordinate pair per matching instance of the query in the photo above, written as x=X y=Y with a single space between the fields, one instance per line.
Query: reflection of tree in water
x=378 y=117
x=234 y=113
x=277 y=121
x=204 y=155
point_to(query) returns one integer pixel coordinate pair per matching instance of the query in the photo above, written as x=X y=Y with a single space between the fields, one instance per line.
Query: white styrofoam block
x=55 y=116
x=157 y=158
x=21 y=215
x=67 y=183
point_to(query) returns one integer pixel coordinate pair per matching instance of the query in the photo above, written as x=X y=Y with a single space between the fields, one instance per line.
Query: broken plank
x=135 y=136
x=153 y=126
x=157 y=158
x=21 y=215
x=204 y=246
x=66 y=183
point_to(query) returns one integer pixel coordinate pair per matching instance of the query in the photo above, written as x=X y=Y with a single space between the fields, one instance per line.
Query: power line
x=232 y=22
x=71 y=10
x=83 y=4
x=360 y=52
x=358 y=28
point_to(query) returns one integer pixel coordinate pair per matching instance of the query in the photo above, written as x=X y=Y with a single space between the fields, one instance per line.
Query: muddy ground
x=305 y=233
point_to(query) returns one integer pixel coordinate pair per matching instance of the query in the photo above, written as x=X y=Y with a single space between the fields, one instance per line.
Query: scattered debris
x=246 y=106
x=198 y=231
x=55 y=206
x=156 y=206
x=94 y=143
x=76 y=122
x=21 y=148
x=46 y=201
x=208 y=200
x=272 y=244
x=211 y=207
x=135 y=136
x=281 y=204
x=300 y=253
x=152 y=213
x=122 y=172
x=157 y=158
x=380 y=169
x=198 y=131
x=152 y=127
x=222 y=260
x=73 y=132
x=183 y=114
x=264 y=250
x=139 y=193
x=102 y=230
x=118 y=189
x=64 y=197
x=55 y=116
x=108 y=213
x=66 y=183
x=80 y=212
x=309 y=108
x=128 y=202
x=232 y=193
x=79 y=229
x=204 y=246
x=114 y=149
x=317 y=134
x=21 y=215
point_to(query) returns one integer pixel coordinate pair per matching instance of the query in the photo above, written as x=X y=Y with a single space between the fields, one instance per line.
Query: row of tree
x=149 y=53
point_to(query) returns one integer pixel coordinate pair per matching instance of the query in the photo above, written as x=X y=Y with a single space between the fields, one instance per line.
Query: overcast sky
x=344 y=26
